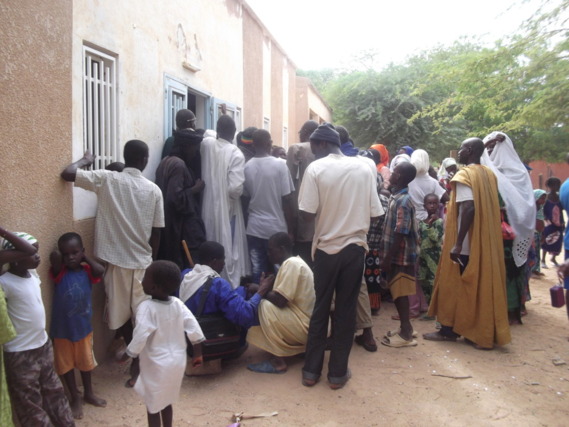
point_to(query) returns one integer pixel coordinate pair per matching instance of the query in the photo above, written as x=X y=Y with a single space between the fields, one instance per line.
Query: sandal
x=390 y=334
x=437 y=336
x=397 y=342
x=265 y=367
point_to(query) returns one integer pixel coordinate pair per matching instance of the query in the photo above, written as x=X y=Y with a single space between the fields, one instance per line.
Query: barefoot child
x=399 y=252
x=159 y=341
x=35 y=389
x=431 y=238
x=73 y=273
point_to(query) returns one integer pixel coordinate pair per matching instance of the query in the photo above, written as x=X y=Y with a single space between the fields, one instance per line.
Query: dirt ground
x=515 y=385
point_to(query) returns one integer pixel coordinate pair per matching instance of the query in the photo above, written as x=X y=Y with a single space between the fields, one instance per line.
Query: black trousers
x=340 y=273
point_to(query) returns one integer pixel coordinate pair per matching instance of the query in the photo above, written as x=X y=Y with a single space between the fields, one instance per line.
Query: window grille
x=100 y=116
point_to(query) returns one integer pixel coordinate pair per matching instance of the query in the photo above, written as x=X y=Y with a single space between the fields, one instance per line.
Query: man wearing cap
x=340 y=242
x=185 y=119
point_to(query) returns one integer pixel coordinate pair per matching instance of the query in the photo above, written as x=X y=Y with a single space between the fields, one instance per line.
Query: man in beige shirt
x=130 y=214
x=340 y=194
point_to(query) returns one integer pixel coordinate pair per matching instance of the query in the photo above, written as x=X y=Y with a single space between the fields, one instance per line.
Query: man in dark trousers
x=340 y=193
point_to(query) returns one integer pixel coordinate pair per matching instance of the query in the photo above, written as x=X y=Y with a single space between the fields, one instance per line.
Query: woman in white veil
x=516 y=191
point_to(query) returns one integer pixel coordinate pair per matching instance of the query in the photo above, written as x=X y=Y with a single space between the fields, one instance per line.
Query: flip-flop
x=396 y=341
x=264 y=367
x=390 y=334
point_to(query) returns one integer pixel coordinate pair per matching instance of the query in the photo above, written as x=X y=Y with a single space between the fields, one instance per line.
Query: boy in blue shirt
x=74 y=273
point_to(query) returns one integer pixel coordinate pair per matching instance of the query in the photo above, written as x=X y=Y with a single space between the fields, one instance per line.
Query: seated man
x=285 y=313
x=222 y=297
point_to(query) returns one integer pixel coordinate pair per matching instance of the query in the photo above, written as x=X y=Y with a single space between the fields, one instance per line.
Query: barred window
x=100 y=115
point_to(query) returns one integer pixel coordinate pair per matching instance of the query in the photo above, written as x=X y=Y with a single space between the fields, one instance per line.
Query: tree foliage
x=438 y=98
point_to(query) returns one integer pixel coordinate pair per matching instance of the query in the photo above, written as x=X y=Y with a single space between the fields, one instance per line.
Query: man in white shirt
x=268 y=196
x=130 y=214
x=340 y=193
x=223 y=174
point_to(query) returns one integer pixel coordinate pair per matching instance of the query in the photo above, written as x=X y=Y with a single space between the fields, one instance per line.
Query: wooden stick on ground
x=452 y=376
x=187 y=251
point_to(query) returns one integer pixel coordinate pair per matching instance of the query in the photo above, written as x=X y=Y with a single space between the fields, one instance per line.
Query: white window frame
x=100 y=112
x=176 y=98
x=232 y=110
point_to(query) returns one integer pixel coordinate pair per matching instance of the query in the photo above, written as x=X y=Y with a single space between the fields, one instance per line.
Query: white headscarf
x=400 y=158
x=515 y=187
x=449 y=161
x=420 y=159
x=194 y=280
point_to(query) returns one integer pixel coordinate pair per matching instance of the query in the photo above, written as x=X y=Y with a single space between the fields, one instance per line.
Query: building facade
x=87 y=74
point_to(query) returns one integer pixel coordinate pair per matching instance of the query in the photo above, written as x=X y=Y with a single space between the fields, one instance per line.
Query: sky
x=318 y=34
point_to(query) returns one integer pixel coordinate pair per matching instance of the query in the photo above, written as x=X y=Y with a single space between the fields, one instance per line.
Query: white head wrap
x=449 y=161
x=195 y=279
x=400 y=158
x=420 y=159
x=515 y=187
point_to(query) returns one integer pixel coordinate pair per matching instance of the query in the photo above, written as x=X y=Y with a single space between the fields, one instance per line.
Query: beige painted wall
x=35 y=41
x=317 y=105
x=252 y=72
x=150 y=39
x=276 y=97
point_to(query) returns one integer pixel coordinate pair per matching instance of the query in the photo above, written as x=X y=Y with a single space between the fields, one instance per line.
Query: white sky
x=320 y=34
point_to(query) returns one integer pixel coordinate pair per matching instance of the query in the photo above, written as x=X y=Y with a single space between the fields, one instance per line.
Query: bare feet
x=95 y=401
x=279 y=364
x=76 y=408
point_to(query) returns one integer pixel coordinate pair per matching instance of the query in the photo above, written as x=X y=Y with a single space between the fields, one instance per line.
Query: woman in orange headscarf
x=383 y=165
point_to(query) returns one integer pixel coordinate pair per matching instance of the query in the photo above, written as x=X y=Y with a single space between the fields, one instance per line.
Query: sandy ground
x=514 y=385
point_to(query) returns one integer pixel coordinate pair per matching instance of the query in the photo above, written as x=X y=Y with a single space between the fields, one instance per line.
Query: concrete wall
x=35 y=46
x=276 y=99
x=253 y=40
x=309 y=104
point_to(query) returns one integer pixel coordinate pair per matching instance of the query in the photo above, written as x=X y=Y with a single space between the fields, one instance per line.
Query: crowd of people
x=297 y=251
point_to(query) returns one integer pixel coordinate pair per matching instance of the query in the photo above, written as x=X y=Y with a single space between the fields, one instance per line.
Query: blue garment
x=259 y=258
x=348 y=149
x=231 y=302
x=72 y=310
x=564 y=199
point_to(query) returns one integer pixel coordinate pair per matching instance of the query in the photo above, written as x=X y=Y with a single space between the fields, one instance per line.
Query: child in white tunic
x=159 y=341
